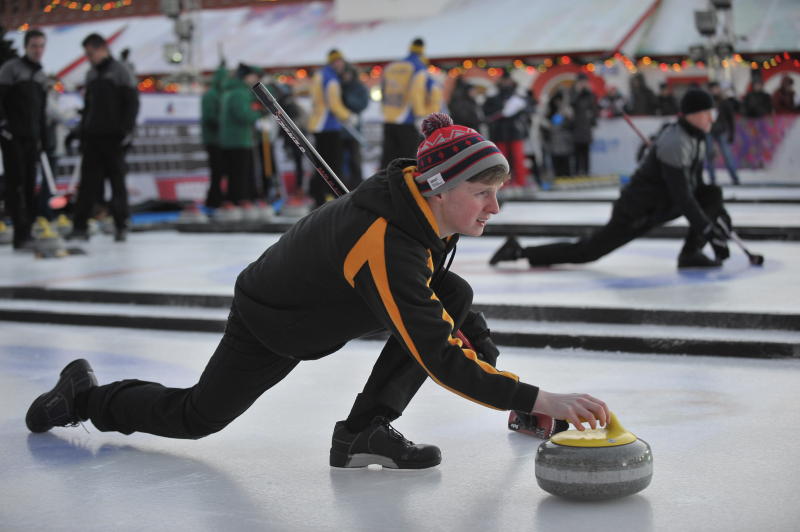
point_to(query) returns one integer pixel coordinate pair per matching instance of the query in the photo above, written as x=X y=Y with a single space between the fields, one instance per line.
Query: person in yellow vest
x=328 y=114
x=409 y=94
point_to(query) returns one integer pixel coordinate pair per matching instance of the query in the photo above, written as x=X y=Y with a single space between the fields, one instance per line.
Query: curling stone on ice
x=596 y=464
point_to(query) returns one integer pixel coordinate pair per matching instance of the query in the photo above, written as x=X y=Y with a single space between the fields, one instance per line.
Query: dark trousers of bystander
x=399 y=140
x=238 y=164
x=581 y=155
x=215 y=174
x=329 y=145
x=102 y=159
x=241 y=369
x=20 y=156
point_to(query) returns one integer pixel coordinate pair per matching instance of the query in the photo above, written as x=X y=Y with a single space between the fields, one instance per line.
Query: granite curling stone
x=594 y=465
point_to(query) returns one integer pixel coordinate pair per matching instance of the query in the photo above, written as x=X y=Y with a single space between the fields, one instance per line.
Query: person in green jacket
x=209 y=120
x=239 y=111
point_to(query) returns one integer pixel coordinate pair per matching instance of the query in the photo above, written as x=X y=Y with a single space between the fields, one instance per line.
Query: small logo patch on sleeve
x=435 y=181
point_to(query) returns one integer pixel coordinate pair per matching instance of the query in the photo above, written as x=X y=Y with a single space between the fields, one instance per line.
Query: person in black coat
x=108 y=121
x=464 y=108
x=667 y=103
x=757 y=102
x=23 y=132
x=723 y=133
x=585 y=111
x=509 y=116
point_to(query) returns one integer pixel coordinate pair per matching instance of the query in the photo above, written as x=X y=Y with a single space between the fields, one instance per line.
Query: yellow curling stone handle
x=611 y=435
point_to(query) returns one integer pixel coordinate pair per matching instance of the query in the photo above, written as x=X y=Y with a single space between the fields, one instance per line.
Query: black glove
x=5 y=132
x=479 y=335
x=717 y=234
x=127 y=140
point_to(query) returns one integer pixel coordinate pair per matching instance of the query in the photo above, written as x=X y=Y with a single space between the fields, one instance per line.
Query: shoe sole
x=362 y=460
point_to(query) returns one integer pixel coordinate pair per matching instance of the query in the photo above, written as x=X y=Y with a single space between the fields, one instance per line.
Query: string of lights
x=79 y=6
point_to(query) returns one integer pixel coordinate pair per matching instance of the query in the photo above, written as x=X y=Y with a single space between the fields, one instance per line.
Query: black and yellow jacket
x=361 y=263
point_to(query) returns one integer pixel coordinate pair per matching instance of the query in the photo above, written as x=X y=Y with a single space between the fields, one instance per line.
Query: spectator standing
x=210 y=107
x=327 y=115
x=508 y=116
x=111 y=103
x=642 y=99
x=584 y=108
x=463 y=106
x=409 y=94
x=723 y=133
x=667 y=104
x=558 y=134
x=612 y=104
x=783 y=97
x=239 y=111
x=757 y=103
x=23 y=108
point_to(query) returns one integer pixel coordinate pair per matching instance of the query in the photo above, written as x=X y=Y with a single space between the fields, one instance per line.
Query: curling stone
x=47 y=243
x=6 y=233
x=593 y=465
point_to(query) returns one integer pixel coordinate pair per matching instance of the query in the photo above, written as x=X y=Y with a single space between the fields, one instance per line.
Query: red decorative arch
x=566 y=72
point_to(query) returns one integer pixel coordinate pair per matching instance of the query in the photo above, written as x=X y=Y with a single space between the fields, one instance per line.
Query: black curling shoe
x=381 y=444
x=697 y=259
x=56 y=408
x=510 y=250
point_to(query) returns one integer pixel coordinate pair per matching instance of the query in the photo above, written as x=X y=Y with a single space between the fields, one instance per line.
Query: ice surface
x=723 y=434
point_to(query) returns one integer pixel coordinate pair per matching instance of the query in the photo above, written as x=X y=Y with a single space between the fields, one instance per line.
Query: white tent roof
x=300 y=34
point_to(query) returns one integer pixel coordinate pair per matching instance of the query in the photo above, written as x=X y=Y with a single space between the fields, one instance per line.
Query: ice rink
x=723 y=431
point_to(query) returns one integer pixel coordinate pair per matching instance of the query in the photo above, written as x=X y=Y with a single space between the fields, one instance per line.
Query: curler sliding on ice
x=667 y=184
x=371 y=260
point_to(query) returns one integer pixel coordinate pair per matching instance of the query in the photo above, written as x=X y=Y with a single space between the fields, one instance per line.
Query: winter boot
x=696 y=259
x=380 y=443
x=57 y=408
x=510 y=250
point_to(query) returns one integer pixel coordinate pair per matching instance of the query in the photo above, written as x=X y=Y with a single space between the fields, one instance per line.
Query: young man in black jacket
x=370 y=260
x=111 y=103
x=23 y=101
x=667 y=184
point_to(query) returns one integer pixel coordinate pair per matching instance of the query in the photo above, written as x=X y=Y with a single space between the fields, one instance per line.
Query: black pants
x=620 y=230
x=581 y=158
x=238 y=165
x=329 y=146
x=399 y=140
x=102 y=159
x=561 y=166
x=216 y=173
x=20 y=156
x=242 y=369
x=352 y=174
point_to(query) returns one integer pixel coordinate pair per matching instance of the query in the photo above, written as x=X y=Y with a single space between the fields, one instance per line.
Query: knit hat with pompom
x=451 y=154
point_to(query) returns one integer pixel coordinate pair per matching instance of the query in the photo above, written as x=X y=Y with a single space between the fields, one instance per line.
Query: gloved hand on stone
x=717 y=234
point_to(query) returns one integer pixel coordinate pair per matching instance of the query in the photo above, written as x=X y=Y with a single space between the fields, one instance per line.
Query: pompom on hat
x=452 y=154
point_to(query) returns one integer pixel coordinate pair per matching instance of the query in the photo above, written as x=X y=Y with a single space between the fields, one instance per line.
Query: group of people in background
x=541 y=140
x=105 y=131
